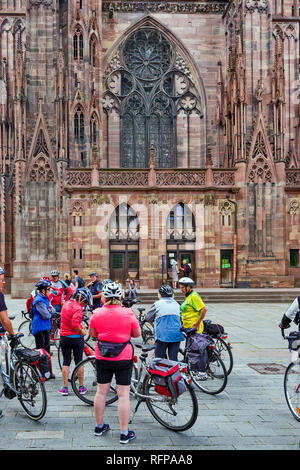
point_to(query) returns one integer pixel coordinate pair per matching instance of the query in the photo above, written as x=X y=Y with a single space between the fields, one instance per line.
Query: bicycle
x=224 y=349
x=21 y=377
x=216 y=380
x=175 y=414
x=146 y=327
x=291 y=381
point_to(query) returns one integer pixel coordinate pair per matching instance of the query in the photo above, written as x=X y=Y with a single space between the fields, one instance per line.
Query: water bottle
x=3 y=347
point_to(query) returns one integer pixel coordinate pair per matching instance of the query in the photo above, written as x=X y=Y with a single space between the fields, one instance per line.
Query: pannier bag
x=44 y=364
x=212 y=329
x=294 y=340
x=109 y=349
x=167 y=377
x=38 y=357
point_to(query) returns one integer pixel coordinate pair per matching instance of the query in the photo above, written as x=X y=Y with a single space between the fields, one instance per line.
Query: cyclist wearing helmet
x=42 y=313
x=165 y=313
x=60 y=289
x=72 y=336
x=193 y=310
x=114 y=325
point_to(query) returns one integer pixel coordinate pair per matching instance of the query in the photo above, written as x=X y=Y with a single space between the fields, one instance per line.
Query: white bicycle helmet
x=2 y=271
x=112 y=290
x=186 y=281
x=55 y=272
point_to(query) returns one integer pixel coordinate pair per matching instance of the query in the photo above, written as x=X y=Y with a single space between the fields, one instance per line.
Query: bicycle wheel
x=177 y=414
x=90 y=382
x=216 y=379
x=225 y=354
x=32 y=392
x=292 y=388
x=28 y=340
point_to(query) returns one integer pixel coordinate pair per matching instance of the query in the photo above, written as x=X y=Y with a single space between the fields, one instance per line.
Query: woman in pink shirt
x=114 y=325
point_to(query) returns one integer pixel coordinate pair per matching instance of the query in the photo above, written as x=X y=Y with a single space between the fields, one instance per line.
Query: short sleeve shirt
x=190 y=311
x=116 y=324
x=2 y=308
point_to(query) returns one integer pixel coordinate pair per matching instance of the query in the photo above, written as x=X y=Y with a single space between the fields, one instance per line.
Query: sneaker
x=64 y=391
x=82 y=390
x=124 y=439
x=99 y=431
x=200 y=376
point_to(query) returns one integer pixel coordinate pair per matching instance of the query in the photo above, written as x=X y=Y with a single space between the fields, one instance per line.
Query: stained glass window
x=149 y=86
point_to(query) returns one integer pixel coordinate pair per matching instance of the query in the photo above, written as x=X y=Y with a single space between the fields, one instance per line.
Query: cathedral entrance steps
x=230 y=295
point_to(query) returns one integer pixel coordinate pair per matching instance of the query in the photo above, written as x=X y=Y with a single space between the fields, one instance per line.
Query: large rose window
x=149 y=83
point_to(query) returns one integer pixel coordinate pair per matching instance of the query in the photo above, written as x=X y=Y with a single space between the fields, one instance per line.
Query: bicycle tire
x=216 y=375
x=292 y=388
x=225 y=353
x=155 y=406
x=28 y=382
x=28 y=340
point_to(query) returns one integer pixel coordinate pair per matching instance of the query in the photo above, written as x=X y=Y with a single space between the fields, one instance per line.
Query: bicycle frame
x=7 y=378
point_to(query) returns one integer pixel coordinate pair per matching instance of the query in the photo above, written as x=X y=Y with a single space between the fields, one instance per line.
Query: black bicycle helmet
x=42 y=284
x=165 y=290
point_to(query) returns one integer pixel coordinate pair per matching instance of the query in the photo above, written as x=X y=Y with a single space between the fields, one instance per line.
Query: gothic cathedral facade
x=133 y=133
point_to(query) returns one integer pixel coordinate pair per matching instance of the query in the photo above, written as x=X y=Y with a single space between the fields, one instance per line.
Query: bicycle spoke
x=292 y=389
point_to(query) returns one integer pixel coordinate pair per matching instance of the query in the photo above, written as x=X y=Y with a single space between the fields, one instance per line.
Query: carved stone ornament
x=153 y=199
x=77 y=206
x=97 y=199
x=164 y=7
x=226 y=207
x=293 y=206
x=260 y=5
x=38 y=3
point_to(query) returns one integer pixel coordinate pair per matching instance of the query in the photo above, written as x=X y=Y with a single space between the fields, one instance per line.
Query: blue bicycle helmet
x=106 y=281
x=2 y=271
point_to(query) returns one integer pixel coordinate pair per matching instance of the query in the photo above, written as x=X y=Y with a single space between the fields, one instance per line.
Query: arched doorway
x=124 y=244
x=181 y=237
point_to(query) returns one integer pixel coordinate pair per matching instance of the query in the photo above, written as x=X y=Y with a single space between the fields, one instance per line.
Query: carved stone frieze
x=97 y=199
x=223 y=178
x=293 y=178
x=78 y=206
x=260 y=5
x=121 y=178
x=38 y=3
x=78 y=178
x=164 y=7
x=182 y=178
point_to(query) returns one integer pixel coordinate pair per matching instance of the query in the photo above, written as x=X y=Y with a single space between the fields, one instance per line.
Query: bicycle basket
x=28 y=355
x=294 y=340
x=167 y=377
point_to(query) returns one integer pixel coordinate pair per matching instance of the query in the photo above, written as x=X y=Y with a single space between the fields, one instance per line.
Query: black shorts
x=121 y=369
x=69 y=346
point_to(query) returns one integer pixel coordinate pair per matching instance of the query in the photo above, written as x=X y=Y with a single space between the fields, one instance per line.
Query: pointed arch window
x=78 y=44
x=79 y=124
x=181 y=223
x=124 y=224
x=150 y=86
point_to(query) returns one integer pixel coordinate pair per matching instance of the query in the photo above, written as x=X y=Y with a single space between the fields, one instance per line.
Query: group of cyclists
x=113 y=325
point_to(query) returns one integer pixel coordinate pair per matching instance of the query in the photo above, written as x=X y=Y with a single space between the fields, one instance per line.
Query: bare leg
x=123 y=405
x=65 y=370
x=99 y=401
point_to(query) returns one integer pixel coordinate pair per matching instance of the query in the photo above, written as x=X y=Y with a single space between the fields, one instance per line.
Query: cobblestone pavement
x=251 y=413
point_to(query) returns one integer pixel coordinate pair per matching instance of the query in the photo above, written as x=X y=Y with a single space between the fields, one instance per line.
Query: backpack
x=212 y=329
x=81 y=282
x=188 y=270
x=167 y=377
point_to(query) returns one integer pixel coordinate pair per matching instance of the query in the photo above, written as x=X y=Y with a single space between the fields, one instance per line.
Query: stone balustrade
x=143 y=178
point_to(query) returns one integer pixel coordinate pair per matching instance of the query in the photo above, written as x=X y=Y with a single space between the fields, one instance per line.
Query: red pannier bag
x=44 y=364
x=167 y=377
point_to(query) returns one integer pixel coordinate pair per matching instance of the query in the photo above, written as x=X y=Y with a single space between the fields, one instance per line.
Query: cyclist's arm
x=151 y=314
x=6 y=323
x=43 y=311
x=290 y=314
x=201 y=317
x=136 y=333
